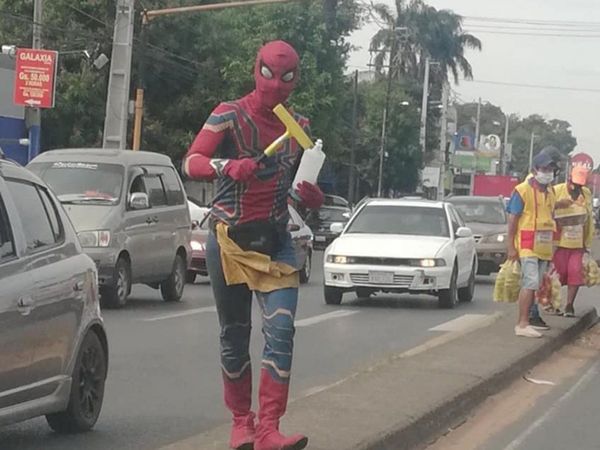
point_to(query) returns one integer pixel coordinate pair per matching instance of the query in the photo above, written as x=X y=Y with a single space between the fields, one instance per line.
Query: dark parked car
x=54 y=352
x=335 y=200
x=320 y=222
x=486 y=217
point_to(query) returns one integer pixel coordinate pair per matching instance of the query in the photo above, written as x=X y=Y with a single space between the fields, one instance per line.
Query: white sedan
x=402 y=245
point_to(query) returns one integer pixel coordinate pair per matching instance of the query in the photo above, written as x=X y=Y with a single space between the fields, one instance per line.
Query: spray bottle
x=310 y=165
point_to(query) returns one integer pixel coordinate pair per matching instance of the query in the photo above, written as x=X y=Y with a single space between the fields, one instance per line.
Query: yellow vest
x=576 y=236
x=536 y=225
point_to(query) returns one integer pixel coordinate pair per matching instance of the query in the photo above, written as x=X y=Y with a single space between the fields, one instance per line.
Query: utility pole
x=443 y=141
x=33 y=116
x=504 y=144
x=352 y=170
x=386 y=107
x=477 y=124
x=531 y=152
x=424 y=103
x=117 y=102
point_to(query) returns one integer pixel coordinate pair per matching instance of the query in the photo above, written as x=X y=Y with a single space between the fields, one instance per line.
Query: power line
x=510 y=33
x=523 y=27
x=532 y=21
x=535 y=86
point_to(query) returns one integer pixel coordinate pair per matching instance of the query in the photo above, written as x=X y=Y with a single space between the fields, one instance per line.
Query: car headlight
x=494 y=238
x=337 y=259
x=430 y=262
x=97 y=238
x=197 y=246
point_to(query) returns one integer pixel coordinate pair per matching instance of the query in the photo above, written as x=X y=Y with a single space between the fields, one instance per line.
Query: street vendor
x=249 y=249
x=575 y=227
x=530 y=232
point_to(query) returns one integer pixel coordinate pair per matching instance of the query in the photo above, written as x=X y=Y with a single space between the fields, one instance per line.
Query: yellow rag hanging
x=256 y=270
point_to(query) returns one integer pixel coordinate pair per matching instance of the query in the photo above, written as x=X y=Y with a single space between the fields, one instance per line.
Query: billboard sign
x=35 y=78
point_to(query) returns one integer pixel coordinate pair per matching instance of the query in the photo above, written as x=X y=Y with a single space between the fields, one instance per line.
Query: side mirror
x=195 y=225
x=139 y=200
x=464 y=232
x=292 y=227
x=336 y=227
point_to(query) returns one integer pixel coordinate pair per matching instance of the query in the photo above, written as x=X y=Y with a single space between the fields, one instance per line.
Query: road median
x=409 y=399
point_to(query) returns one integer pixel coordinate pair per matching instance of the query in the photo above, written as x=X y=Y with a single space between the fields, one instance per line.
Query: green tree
x=419 y=31
x=553 y=132
x=194 y=61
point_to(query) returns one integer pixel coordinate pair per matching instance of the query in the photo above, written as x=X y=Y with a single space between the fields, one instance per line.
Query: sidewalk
x=408 y=399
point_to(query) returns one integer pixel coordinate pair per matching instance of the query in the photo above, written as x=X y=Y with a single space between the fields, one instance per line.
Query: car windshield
x=481 y=212
x=333 y=215
x=197 y=213
x=79 y=183
x=400 y=219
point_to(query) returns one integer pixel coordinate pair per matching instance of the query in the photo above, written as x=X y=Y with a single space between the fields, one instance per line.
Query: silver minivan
x=53 y=346
x=130 y=212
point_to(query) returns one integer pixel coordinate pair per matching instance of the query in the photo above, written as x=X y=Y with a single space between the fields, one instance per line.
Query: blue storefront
x=12 y=118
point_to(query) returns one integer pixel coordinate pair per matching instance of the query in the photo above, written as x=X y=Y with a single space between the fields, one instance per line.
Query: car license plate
x=381 y=277
x=320 y=238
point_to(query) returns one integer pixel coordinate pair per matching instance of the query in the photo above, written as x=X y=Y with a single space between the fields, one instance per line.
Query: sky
x=559 y=61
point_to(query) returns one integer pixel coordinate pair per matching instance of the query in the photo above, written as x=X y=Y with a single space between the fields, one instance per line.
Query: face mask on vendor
x=544 y=176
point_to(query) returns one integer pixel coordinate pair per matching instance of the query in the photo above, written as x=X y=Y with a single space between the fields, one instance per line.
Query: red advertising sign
x=35 y=77
x=493 y=185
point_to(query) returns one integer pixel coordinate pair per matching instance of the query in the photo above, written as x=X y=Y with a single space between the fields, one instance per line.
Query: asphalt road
x=566 y=419
x=164 y=378
x=555 y=406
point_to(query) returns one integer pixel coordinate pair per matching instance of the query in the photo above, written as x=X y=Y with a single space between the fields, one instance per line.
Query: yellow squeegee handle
x=273 y=146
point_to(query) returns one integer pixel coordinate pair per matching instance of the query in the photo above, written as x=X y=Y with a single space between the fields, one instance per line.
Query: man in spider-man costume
x=227 y=147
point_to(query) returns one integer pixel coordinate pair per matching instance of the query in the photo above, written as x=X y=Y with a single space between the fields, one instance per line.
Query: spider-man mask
x=276 y=73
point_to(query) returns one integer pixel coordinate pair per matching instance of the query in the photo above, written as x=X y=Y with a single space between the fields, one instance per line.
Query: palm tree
x=419 y=31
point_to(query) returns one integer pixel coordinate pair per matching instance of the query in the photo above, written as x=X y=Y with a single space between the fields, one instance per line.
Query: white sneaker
x=528 y=331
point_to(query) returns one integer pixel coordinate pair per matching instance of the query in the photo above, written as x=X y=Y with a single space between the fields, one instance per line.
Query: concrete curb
x=431 y=425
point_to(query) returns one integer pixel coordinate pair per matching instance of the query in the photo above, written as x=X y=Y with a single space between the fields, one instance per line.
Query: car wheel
x=172 y=288
x=305 y=271
x=87 y=389
x=467 y=293
x=190 y=277
x=115 y=296
x=333 y=295
x=363 y=292
x=448 y=298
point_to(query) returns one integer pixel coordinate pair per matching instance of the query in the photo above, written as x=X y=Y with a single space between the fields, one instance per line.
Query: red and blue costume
x=227 y=147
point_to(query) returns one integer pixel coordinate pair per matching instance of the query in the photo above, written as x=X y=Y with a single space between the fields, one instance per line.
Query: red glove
x=310 y=195
x=240 y=169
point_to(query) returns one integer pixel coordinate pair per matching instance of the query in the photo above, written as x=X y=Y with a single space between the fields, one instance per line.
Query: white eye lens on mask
x=265 y=72
x=288 y=77
x=544 y=178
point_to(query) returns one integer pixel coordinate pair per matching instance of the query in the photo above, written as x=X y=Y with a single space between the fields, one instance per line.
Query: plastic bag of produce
x=591 y=271
x=508 y=282
x=548 y=295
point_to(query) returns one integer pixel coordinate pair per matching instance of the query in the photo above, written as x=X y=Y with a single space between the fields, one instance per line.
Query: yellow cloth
x=256 y=270
x=536 y=225
x=577 y=236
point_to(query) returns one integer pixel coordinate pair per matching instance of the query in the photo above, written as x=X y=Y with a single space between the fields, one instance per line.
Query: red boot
x=273 y=397
x=238 y=399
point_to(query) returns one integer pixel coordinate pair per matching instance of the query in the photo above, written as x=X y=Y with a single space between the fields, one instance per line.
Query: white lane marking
x=585 y=379
x=187 y=312
x=323 y=317
x=460 y=323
